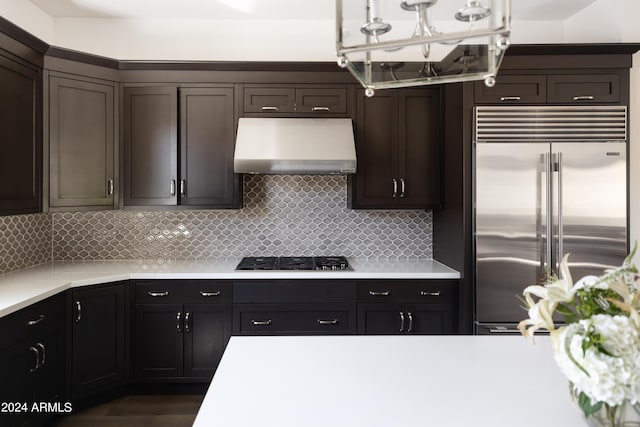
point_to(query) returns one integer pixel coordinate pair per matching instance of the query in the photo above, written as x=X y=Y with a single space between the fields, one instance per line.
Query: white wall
x=30 y=18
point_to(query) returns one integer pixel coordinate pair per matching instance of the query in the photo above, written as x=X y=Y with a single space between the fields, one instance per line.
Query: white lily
x=540 y=316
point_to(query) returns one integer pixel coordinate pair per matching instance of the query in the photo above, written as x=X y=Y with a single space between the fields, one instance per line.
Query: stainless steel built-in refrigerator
x=548 y=181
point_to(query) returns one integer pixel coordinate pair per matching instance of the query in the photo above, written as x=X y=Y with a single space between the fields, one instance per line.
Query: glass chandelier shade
x=394 y=43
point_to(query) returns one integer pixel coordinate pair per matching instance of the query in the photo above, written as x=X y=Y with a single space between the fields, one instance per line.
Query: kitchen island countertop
x=22 y=288
x=384 y=381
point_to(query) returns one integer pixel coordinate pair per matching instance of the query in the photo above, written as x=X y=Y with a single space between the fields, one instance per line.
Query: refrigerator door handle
x=547 y=241
x=560 y=236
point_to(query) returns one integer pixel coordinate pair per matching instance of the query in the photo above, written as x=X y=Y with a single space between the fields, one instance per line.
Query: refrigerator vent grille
x=568 y=123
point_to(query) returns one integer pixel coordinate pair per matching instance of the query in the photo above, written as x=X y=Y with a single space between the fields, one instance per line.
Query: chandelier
x=393 y=43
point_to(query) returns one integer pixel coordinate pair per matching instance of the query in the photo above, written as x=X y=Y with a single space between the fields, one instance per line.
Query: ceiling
x=534 y=10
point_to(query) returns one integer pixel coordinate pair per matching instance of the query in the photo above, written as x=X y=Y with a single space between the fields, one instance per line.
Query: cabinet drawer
x=290 y=319
x=427 y=291
x=192 y=291
x=269 y=100
x=512 y=90
x=584 y=88
x=32 y=320
x=321 y=101
x=287 y=291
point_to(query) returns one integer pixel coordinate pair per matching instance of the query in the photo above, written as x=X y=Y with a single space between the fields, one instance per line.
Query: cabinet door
x=17 y=375
x=269 y=99
x=583 y=88
x=98 y=339
x=520 y=89
x=430 y=319
x=206 y=148
x=158 y=341
x=49 y=386
x=81 y=143
x=151 y=145
x=20 y=138
x=207 y=329
x=321 y=101
x=381 y=319
x=419 y=148
x=376 y=181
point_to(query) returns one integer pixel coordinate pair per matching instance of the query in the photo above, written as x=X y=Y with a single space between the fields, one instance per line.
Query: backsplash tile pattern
x=282 y=215
x=25 y=241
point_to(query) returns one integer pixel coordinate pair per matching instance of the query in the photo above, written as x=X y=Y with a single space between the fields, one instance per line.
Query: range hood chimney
x=295 y=146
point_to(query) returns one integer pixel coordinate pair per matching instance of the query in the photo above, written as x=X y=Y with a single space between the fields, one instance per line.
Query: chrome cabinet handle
x=179 y=322
x=269 y=108
x=430 y=293
x=40 y=319
x=158 y=294
x=172 y=187
x=78 y=311
x=402 y=187
x=327 y=109
x=44 y=353
x=395 y=188
x=584 y=98
x=261 y=322
x=379 y=293
x=401 y=321
x=210 y=294
x=187 y=320
x=37 y=365
x=328 y=322
x=110 y=187
x=510 y=98
x=183 y=187
x=410 y=316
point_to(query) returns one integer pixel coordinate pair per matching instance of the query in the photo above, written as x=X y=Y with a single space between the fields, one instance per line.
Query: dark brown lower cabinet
x=181 y=342
x=98 y=339
x=32 y=364
x=419 y=319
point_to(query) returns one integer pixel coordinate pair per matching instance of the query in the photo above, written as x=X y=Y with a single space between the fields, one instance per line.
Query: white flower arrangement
x=598 y=346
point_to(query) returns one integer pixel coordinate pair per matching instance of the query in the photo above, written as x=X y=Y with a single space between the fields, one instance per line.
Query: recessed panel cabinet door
x=81 y=143
x=151 y=145
x=206 y=147
x=207 y=329
x=158 y=341
x=20 y=138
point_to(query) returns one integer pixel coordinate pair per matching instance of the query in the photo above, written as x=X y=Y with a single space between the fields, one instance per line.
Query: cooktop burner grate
x=328 y=263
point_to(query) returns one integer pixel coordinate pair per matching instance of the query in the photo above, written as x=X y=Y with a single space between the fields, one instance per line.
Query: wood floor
x=138 y=411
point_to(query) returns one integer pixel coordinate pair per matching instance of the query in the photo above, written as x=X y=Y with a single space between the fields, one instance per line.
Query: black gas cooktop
x=324 y=263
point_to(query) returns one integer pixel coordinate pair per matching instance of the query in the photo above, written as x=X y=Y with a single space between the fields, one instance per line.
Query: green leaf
x=587 y=407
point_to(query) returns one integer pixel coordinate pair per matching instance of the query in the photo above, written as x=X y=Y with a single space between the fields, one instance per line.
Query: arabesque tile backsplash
x=282 y=215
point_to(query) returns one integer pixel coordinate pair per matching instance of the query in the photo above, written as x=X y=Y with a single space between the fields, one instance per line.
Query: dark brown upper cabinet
x=195 y=170
x=81 y=143
x=20 y=137
x=398 y=150
x=311 y=100
x=588 y=88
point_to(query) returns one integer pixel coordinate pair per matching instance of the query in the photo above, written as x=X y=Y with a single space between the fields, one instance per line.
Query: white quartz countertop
x=24 y=287
x=384 y=381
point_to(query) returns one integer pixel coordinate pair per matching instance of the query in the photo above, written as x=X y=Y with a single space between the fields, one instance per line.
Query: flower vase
x=623 y=415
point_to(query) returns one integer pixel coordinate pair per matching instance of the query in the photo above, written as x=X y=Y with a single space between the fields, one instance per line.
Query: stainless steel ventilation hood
x=291 y=146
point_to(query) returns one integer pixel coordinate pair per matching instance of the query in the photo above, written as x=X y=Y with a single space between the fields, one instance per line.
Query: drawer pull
x=509 y=98
x=261 y=322
x=40 y=319
x=269 y=108
x=327 y=109
x=158 y=294
x=328 y=322
x=210 y=294
x=379 y=293
x=583 y=98
x=430 y=293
